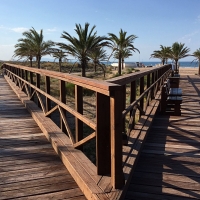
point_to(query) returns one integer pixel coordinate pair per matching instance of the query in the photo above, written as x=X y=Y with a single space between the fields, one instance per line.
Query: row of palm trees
x=176 y=52
x=87 y=46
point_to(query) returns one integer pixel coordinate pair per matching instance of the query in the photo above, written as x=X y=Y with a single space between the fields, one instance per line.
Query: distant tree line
x=176 y=52
x=87 y=46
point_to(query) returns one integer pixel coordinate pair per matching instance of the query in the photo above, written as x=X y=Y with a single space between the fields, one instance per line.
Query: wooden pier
x=29 y=167
x=169 y=165
x=159 y=160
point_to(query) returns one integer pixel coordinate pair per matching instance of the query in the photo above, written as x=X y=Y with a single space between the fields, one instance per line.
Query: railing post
x=18 y=74
x=103 y=157
x=38 y=86
x=148 y=85
x=79 y=108
x=22 y=73
x=116 y=107
x=31 y=81
x=123 y=96
x=141 y=91
x=152 y=82
x=22 y=76
x=48 y=101
x=26 y=75
x=133 y=93
x=63 y=100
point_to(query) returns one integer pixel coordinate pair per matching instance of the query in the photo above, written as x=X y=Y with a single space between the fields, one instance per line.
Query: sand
x=188 y=71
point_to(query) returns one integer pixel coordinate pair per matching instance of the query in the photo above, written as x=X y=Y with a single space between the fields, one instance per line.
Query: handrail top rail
x=132 y=77
x=107 y=86
x=77 y=80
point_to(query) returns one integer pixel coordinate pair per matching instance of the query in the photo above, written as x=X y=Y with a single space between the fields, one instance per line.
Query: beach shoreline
x=188 y=71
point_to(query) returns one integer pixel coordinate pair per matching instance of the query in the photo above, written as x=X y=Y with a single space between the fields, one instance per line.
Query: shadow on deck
x=168 y=167
x=29 y=167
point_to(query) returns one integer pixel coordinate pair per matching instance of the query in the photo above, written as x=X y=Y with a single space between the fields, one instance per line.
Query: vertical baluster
x=79 y=108
x=22 y=76
x=63 y=100
x=133 y=91
x=148 y=85
x=141 y=91
x=123 y=96
x=18 y=74
x=116 y=107
x=103 y=134
x=152 y=82
x=26 y=75
x=31 y=81
x=157 y=84
x=38 y=86
x=133 y=97
x=47 y=88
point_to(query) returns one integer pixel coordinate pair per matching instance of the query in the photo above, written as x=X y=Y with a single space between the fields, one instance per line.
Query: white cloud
x=52 y=29
x=7 y=45
x=109 y=20
x=19 y=29
x=15 y=29
x=188 y=37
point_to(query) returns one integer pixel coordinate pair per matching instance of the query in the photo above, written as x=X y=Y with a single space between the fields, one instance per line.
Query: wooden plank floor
x=169 y=165
x=29 y=167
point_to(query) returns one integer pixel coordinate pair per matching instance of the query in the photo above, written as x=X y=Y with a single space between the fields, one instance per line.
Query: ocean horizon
x=153 y=63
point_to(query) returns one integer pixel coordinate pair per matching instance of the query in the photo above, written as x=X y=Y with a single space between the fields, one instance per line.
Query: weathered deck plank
x=168 y=167
x=29 y=167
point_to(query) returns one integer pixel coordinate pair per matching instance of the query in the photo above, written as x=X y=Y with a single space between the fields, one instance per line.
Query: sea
x=181 y=64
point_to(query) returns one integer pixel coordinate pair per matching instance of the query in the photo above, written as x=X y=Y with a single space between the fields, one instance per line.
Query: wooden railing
x=111 y=113
x=136 y=94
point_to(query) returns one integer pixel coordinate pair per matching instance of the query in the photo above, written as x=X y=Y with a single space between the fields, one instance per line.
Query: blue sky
x=154 y=22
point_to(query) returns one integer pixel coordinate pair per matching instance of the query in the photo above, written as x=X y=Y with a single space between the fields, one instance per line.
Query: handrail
x=95 y=85
x=128 y=109
x=137 y=75
x=111 y=109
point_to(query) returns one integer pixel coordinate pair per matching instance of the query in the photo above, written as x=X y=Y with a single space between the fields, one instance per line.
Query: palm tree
x=120 y=43
x=82 y=46
x=177 y=52
x=60 y=55
x=197 y=55
x=125 y=54
x=97 y=56
x=23 y=50
x=162 y=54
x=36 y=44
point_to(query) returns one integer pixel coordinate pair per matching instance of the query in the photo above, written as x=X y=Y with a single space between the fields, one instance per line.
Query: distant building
x=126 y=65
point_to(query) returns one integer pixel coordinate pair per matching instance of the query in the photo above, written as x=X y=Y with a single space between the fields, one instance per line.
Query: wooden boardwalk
x=169 y=165
x=168 y=168
x=29 y=167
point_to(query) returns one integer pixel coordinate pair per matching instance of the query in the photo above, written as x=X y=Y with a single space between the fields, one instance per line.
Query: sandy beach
x=182 y=70
x=188 y=71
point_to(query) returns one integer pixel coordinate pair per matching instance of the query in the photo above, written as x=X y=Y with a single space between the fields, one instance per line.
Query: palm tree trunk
x=104 y=73
x=122 y=63
x=60 y=65
x=38 y=61
x=95 y=66
x=31 y=62
x=83 y=66
x=176 y=66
